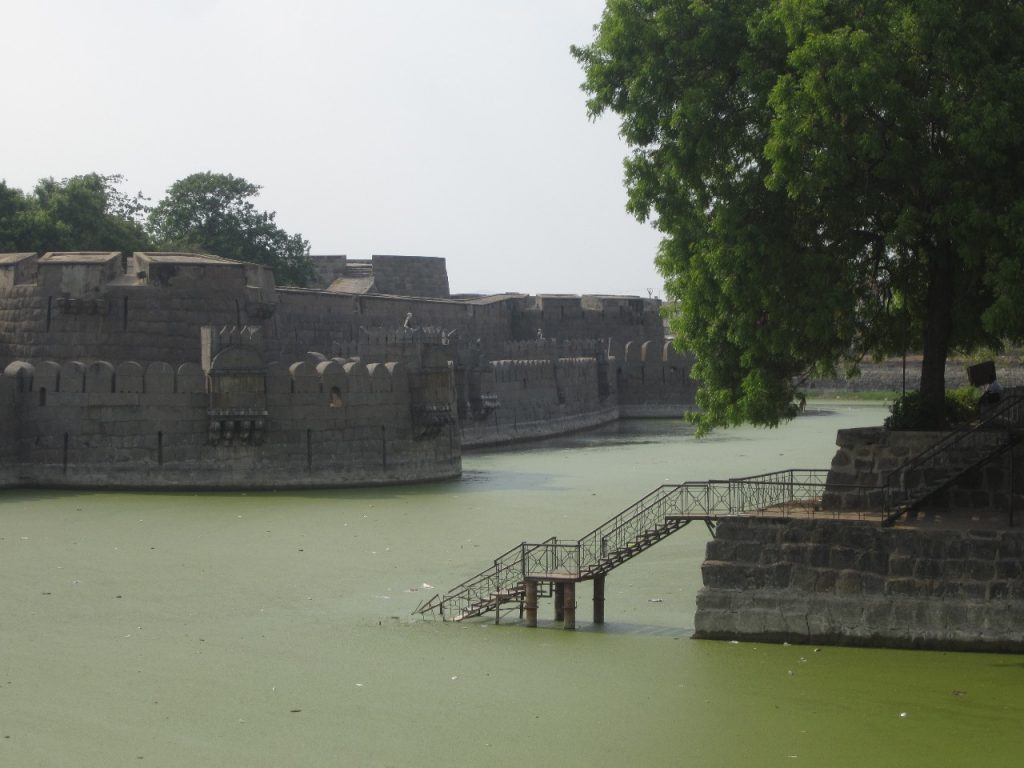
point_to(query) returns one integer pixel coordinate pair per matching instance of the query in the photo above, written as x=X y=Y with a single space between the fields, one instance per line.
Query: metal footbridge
x=553 y=567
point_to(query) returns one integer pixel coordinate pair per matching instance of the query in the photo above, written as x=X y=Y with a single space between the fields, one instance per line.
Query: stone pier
x=855 y=583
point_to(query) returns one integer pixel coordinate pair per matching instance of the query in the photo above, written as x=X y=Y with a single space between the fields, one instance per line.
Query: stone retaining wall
x=854 y=583
x=867 y=455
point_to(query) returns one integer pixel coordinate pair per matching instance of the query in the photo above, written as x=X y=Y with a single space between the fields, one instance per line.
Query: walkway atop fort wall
x=149 y=307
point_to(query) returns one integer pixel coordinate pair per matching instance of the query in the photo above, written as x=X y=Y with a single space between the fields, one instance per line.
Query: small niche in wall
x=124 y=315
x=42 y=396
x=336 y=398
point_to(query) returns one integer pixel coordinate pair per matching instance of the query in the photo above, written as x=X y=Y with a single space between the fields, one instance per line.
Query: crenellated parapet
x=653 y=377
x=240 y=422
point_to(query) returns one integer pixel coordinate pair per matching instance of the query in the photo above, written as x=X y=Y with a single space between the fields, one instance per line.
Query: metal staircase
x=959 y=452
x=659 y=514
x=668 y=508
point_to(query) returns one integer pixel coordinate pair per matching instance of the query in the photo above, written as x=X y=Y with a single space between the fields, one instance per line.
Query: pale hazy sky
x=451 y=128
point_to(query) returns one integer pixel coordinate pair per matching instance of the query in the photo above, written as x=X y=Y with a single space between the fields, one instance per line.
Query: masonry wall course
x=912 y=588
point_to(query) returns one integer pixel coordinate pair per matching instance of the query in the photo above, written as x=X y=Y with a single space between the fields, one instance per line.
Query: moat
x=273 y=629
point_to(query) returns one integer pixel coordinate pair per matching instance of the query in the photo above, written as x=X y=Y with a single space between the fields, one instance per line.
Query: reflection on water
x=273 y=629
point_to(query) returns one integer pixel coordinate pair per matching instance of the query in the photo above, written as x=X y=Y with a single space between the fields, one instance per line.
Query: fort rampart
x=131 y=398
x=149 y=307
x=315 y=422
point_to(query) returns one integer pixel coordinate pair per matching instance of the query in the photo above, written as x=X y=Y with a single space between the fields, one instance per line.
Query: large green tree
x=214 y=213
x=80 y=213
x=833 y=179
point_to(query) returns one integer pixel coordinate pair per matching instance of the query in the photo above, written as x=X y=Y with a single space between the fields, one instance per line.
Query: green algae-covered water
x=273 y=629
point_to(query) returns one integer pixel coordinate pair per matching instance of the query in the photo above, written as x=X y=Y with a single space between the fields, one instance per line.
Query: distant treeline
x=203 y=213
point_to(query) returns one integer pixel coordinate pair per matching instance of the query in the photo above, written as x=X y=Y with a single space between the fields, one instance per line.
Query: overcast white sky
x=451 y=128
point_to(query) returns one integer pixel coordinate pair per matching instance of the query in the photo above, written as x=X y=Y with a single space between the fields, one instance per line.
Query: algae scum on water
x=273 y=629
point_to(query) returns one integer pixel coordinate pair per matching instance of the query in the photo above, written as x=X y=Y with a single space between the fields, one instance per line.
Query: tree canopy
x=204 y=213
x=214 y=213
x=833 y=179
x=81 y=213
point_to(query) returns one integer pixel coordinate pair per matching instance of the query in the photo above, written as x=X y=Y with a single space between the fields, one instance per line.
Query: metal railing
x=666 y=509
x=479 y=591
x=551 y=559
x=964 y=447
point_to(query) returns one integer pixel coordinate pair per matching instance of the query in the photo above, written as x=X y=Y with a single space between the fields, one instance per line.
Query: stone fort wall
x=315 y=422
x=854 y=583
x=525 y=399
x=150 y=307
x=521 y=366
x=865 y=457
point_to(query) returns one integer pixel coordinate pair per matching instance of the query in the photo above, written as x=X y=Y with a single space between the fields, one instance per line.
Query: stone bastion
x=184 y=370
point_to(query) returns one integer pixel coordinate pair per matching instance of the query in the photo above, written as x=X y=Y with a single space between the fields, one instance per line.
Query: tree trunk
x=937 y=331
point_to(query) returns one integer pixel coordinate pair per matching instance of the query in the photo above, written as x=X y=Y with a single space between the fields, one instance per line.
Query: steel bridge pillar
x=560 y=601
x=531 y=603
x=569 y=605
x=599 y=599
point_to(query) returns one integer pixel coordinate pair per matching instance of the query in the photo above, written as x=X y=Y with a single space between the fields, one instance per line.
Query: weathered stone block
x=848 y=582
x=928 y=568
x=819 y=555
x=825 y=581
x=872 y=583
x=973 y=590
x=906 y=587
x=793 y=552
x=803 y=578
x=901 y=566
x=1009 y=569
x=841 y=558
x=980 y=570
x=873 y=561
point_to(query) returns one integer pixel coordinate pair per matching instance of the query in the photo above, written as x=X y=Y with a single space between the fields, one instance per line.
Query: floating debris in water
x=655 y=600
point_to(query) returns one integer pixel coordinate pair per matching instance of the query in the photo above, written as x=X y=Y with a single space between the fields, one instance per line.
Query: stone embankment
x=854 y=583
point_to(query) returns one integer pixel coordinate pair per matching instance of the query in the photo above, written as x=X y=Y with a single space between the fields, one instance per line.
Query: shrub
x=908 y=413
